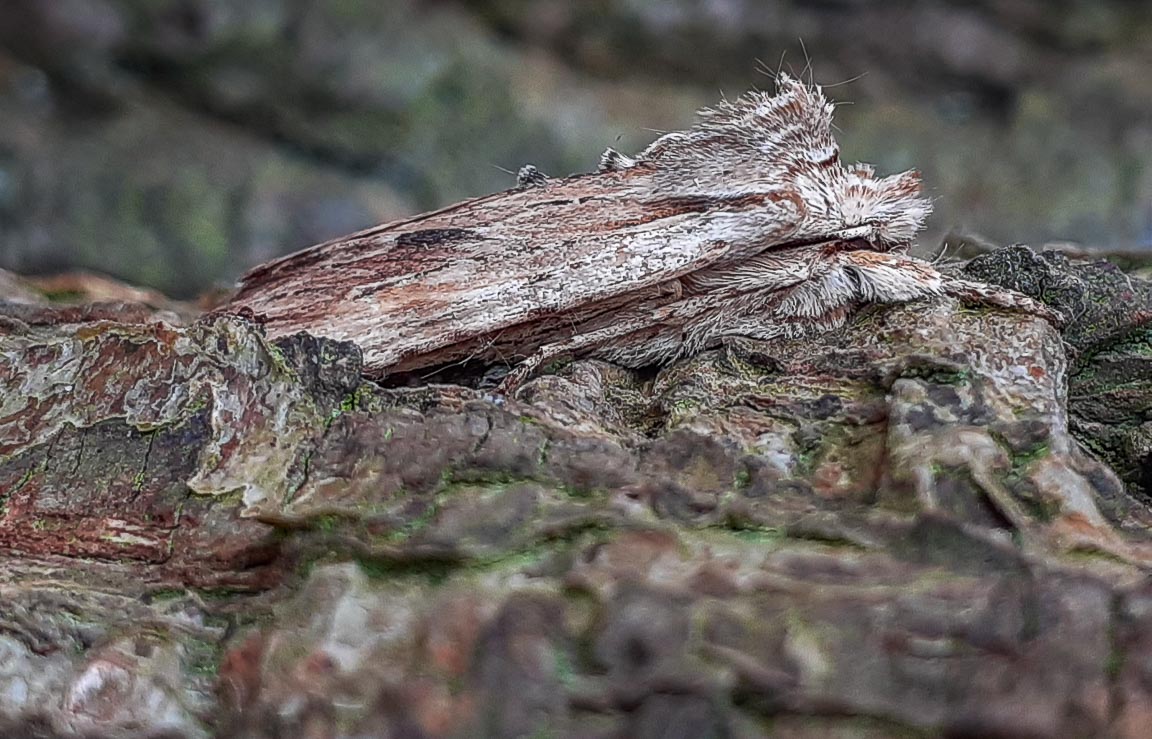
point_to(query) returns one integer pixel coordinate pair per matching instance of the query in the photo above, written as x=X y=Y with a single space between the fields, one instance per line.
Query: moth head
x=782 y=145
x=891 y=205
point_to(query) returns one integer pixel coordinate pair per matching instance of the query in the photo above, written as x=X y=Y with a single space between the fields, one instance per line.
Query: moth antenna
x=500 y=355
x=773 y=74
x=807 y=63
x=940 y=254
x=762 y=68
x=848 y=81
x=837 y=104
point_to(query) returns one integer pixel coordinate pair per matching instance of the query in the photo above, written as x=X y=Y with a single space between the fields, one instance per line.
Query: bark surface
x=935 y=519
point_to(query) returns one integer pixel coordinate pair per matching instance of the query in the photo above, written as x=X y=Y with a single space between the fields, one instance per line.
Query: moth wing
x=415 y=286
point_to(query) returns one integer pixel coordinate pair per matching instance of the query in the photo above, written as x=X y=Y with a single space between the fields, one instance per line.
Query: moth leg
x=752 y=351
x=561 y=349
x=979 y=293
x=894 y=278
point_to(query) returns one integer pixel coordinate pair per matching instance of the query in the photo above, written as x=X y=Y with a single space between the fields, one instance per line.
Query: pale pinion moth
x=746 y=225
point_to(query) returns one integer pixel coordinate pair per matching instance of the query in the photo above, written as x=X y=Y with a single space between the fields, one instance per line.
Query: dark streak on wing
x=433 y=236
x=289 y=265
x=543 y=203
x=702 y=203
x=682 y=204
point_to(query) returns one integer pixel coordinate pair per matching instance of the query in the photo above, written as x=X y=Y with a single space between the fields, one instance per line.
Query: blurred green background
x=174 y=143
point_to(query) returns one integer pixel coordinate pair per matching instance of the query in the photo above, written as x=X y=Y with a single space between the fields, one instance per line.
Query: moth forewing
x=425 y=285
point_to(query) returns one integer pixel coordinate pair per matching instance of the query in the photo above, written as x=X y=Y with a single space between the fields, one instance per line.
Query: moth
x=746 y=225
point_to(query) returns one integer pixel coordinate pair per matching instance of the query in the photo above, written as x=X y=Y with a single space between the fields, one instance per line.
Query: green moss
x=433 y=571
x=357 y=400
x=24 y=480
x=563 y=668
x=201 y=658
x=279 y=361
x=32 y=472
x=581 y=493
x=683 y=407
x=1094 y=554
x=327 y=523
x=161 y=595
x=1022 y=460
x=212 y=459
x=757 y=535
x=1138 y=342
x=555 y=367
x=233 y=497
x=806 y=460
x=330 y=419
x=517 y=560
x=64 y=296
x=1023 y=490
x=416 y=525
x=197 y=405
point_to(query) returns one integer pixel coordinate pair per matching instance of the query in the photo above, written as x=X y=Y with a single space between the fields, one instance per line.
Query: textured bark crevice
x=885 y=530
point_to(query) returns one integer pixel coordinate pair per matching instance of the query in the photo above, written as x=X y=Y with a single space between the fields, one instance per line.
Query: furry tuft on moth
x=746 y=225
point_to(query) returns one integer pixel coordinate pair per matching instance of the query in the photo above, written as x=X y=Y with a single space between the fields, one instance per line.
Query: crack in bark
x=138 y=481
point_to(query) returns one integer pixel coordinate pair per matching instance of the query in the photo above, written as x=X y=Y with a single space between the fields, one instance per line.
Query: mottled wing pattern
x=737 y=205
x=409 y=288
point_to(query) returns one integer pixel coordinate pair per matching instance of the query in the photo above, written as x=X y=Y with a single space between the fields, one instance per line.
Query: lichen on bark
x=888 y=529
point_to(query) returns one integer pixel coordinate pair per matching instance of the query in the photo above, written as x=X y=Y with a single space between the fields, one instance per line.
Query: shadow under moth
x=746 y=225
